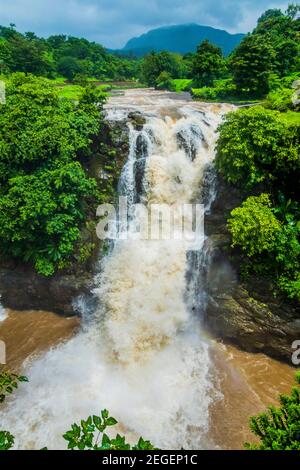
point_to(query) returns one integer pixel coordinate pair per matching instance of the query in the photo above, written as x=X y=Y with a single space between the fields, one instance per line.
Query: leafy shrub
x=44 y=188
x=181 y=84
x=221 y=89
x=253 y=226
x=272 y=247
x=279 y=427
x=205 y=93
x=280 y=99
x=164 y=81
x=8 y=383
x=255 y=146
x=40 y=215
x=90 y=435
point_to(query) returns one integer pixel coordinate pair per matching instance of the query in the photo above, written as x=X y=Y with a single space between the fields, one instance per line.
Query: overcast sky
x=113 y=22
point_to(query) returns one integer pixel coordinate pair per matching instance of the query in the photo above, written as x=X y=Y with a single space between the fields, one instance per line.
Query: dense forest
x=60 y=55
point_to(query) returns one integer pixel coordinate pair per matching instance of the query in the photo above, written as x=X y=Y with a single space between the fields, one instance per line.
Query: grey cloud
x=113 y=22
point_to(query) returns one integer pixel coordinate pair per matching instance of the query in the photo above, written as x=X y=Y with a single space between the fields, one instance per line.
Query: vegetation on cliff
x=258 y=151
x=44 y=191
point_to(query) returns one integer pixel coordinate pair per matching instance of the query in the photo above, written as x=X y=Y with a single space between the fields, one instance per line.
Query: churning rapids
x=142 y=353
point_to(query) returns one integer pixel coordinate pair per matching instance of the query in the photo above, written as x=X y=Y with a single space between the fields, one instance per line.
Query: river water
x=143 y=354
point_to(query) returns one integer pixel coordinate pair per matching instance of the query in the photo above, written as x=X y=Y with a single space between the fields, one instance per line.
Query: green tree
x=44 y=189
x=27 y=55
x=208 y=64
x=69 y=67
x=257 y=146
x=251 y=64
x=279 y=427
x=155 y=63
x=40 y=215
x=164 y=81
x=282 y=31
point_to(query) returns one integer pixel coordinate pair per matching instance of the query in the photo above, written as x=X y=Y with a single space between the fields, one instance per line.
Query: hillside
x=182 y=38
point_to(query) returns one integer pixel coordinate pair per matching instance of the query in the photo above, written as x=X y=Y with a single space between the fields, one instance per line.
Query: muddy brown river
x=248 y=382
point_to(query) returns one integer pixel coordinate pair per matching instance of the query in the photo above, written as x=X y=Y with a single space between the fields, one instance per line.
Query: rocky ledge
x=244 y=313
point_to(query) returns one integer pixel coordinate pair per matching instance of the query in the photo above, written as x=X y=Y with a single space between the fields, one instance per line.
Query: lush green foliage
x=279 y=427
x=208 y=64
x=60 y=54
x=266 y=61
x=156 y=63
x=43 y=185
x=272 y=47
x=251 y=64
x=222 y=90
x=8 y=383
x=164 y=81
x=254 y=226
x=282 y=91
x=259 y=149
x=6 y=440
x=256 y=146
x=181 y=84
x=272 y=247
x=90 y=435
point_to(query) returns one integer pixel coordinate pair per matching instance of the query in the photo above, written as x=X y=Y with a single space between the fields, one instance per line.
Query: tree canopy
x=208 y=64
x=43 y=185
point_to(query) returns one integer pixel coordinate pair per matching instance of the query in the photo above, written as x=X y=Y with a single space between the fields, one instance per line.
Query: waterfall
x=3 y=313
x=144 y=356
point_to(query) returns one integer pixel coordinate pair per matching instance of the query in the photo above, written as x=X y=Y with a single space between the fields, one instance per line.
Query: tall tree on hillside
x=251 y=64
x=155 y=63
x=208 y=64
x=282 y=30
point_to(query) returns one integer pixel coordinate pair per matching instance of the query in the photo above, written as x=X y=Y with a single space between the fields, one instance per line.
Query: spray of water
x=3 y=313
x=144 y=356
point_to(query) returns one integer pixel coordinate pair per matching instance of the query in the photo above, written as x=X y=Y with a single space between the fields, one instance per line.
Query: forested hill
x=182 y=39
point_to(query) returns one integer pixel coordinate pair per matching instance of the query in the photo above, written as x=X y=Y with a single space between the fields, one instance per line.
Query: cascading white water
x=144 y=356
x=3 y=313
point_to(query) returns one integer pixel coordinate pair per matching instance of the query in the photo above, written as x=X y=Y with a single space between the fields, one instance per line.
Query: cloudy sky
x=113 y=22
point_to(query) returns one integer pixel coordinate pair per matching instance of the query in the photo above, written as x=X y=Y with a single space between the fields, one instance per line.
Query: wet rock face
x=188 y=140
x=137 y=120
x=141 y=146
x=142 y=152
x=244 y=313
x=23 y=289
x=139 y=174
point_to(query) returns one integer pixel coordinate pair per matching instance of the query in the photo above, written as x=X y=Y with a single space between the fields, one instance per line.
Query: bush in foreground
x=279 y=427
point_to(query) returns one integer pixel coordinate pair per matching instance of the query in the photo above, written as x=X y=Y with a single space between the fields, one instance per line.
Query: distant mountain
x=181 y=38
